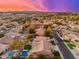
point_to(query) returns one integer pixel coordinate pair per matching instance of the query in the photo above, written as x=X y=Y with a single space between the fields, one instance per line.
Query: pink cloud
x=36 y=5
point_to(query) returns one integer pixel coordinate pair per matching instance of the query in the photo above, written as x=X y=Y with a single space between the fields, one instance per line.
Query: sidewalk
x=57 y=49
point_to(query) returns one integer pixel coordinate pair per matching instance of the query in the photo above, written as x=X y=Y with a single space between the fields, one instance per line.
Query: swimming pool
x=24 y=53
x=11 y=54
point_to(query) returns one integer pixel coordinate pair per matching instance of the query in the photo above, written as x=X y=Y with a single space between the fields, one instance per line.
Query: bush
x=33 y=35
x=45 y=26
x=28 y=36
x=66 y=40
x=47 y=34
x=21 y=21
x=15 y=58
x=71 y=46
x=53 y=43
x=56 y=55
x=30 y=30
x=42 y=57
x=27 y=47
x=1 y=35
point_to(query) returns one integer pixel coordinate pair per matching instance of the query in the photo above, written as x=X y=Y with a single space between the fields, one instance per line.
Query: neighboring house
x=36 y=23
x=70 y=35
x=47 y=22
x=17 y=29
x=8 y=38
x=3 y=47
x=40 y=31
x=73 y=38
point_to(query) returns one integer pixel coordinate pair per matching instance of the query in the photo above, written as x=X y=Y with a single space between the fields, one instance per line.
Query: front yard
x=70 y=44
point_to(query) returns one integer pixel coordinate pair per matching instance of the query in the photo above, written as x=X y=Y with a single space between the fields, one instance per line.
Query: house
x=41 y=46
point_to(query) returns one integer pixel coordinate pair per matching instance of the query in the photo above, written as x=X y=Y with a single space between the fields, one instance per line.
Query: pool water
x=11 y=54
x=24 y=53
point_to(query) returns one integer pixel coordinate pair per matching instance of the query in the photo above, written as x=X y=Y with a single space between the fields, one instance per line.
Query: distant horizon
x=38 y=11
x=40 y=5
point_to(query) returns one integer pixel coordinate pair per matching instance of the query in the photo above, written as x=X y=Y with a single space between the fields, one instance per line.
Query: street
x=64 y=50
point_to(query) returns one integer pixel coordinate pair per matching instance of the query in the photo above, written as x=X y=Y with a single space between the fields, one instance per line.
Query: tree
x=49 y=32
x=49 y=29
x=1 y=35
x=28 y=47
x=45 y=26
x=69 y=39
x=31 y=30
x=26 y=25
x=16 y=44
x=27 y=38
x=26 y=41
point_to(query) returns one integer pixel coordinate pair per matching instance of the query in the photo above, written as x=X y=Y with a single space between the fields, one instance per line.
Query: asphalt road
x=64 y=50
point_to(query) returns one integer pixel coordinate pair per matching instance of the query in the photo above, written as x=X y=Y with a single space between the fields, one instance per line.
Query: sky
x=40 y=5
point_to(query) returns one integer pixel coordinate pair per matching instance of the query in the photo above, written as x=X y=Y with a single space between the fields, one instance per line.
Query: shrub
x=28 y=47
x=71 y=46
x=56 y=55
x=42 y=57
x=53 y=43
x=1 y=35
x=30 y=30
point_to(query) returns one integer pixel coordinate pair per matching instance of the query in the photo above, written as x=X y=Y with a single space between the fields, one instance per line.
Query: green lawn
x=28 y=47
x=71 y=45
x=66 y=41
x=56 y=55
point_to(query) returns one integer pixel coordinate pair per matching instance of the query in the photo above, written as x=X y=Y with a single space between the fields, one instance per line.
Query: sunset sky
x=40 y=5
